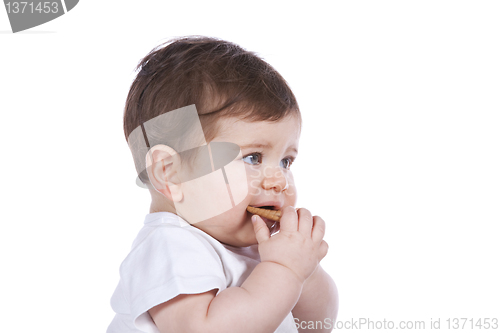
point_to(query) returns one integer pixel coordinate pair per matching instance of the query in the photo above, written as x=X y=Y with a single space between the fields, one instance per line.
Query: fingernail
x=254 y=218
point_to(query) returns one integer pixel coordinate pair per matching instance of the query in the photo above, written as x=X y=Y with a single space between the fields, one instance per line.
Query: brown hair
x=220 y=78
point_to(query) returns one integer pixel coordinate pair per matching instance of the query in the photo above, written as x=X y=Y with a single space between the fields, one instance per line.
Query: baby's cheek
x=291 y=193
x=252 y=173
x=253 y=180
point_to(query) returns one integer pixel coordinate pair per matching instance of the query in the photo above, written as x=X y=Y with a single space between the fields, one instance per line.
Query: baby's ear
x=162 y=165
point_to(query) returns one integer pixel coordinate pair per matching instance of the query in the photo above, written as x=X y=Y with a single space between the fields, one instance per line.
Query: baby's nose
x=274 y=179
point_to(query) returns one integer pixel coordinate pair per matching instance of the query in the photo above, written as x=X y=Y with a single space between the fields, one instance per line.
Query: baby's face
x=268 y=150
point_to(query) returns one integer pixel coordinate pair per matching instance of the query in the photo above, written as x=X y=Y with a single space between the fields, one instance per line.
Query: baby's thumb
x=260 y=228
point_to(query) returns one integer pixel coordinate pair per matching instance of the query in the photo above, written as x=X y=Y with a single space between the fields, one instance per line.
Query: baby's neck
x=161 y=206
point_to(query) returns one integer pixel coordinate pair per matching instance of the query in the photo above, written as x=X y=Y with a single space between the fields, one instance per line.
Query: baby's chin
x=246 y=236
x=273 y=226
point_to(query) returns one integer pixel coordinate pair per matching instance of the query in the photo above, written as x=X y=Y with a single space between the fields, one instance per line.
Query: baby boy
x=213 y=130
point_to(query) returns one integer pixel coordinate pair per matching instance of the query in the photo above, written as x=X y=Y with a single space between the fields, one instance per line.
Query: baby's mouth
x=272 y=213
x=272 y=225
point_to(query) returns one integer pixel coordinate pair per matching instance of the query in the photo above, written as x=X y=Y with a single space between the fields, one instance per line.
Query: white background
x=399 y=152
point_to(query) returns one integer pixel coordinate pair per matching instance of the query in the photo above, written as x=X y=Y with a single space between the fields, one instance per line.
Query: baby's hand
x=299 y=245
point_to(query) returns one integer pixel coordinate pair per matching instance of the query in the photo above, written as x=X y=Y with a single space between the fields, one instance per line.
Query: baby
x=214 y=129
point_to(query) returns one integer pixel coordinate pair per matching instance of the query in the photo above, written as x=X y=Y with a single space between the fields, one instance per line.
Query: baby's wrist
x=281 y=269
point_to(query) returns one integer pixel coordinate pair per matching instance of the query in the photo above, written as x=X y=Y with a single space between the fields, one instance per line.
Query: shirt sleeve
x=169 y=261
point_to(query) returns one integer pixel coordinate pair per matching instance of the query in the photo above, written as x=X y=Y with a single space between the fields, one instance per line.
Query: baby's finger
x=318 y=229
x=288 y=220
x=260 y=228
x=323 y=249
x=305 y=221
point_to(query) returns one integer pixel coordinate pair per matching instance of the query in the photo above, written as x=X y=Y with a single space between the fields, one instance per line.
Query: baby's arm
x=252 y=308
x=267 y=295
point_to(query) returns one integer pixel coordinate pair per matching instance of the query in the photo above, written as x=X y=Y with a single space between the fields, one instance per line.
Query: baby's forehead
x=262 y=133
x=233 y=125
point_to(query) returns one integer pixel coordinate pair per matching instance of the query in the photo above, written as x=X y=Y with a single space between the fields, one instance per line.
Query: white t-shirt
x=170 y=257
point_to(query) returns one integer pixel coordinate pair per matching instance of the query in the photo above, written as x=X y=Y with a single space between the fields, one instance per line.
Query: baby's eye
x=254 y=161
x=288 y=162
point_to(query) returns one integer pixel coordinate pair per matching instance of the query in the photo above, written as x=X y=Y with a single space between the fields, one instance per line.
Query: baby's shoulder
x=168 y=245
x=166 y=234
